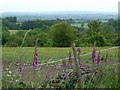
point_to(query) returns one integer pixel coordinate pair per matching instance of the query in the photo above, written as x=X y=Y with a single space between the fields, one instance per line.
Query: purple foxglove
x=106 y=59
x=70 y=57
x=20 y=69
x=35 y=60
x=79 y=50
x=80 y=65
x=33 y=63
x=98 y=58
x=94 y=58
x=64 y=63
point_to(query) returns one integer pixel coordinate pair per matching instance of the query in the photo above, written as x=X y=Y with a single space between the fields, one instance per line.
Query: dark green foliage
x=62 y=34
x=94 y=27
x=56 y=33
x=48 y=44
x=12 y=24
x=117 y=41
x=14 y=40
x=5 y=22
x=11 y=19
x=113 y=23
x=99 y=39
x=37 y=24
x=5 y=35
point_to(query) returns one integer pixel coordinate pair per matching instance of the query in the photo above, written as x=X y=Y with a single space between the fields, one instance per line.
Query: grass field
x=47 y=54
x=79 y=25
x=41 y=75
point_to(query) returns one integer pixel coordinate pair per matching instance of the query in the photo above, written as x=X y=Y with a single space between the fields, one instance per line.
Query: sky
x=58 y=5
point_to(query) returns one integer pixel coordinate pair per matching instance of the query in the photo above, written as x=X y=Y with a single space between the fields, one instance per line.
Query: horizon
x=53 y=12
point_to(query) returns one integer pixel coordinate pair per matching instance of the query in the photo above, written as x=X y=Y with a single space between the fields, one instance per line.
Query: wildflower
x=35 y=60
x=36 y=57
x=94 y=58
x=106 y=59
x=20 y=69
x=98 y=58
x=80 y=65
x=33 y=63
x=10 y=72
x=64 y=63
x=8 y=75
x=7 y=69
x=70 y=57
x=70 y=60
x=79 y=50
x=16 y=80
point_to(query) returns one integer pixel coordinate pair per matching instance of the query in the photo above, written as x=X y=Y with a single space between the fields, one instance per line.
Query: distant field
x=14 y=31
x=79 y=25
x=47 y=54
x=76 y=25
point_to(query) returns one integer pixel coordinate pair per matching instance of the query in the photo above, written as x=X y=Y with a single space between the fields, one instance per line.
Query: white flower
x=16 y=80
x=8 y=75
x=7 y=69
x=10 y=72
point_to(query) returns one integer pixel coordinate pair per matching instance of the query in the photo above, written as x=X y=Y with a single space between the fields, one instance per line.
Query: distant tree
x=42 y=39
x=12 y=19
x=5 y=23
x=29 y=41
x=108 y=32
x=48 y=44
x=113 y=23
x=14 y=26
x=117 y=41
x=62 y=34
x=37 y=24
x=5 y=35
x=99 y=39
x=94 y=27
x=94 y=33
x=20 y=33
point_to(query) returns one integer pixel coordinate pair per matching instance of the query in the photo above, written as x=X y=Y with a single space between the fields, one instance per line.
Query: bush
x=13 y=44
x=48 y=44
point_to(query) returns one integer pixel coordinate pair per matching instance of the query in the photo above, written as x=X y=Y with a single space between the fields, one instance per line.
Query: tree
x=5 y=35
x=94 y=33
x=62 y=34
x=12 y=19
x=94 y=27
x=5 y=23
x=99 y=39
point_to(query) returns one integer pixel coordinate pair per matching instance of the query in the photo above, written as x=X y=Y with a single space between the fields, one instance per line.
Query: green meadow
x=47 y=54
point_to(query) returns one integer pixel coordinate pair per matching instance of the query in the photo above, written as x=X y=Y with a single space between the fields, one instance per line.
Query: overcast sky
x=58 y=5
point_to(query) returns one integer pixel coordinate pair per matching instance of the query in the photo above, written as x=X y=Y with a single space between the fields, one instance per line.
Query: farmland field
x=79 y=25
x=46 y=53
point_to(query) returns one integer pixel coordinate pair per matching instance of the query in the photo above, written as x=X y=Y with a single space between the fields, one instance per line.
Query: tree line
x=59 y=33
x=12 y=24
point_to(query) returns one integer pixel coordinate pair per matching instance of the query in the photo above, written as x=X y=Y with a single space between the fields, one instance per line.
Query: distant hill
x=25 y=16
